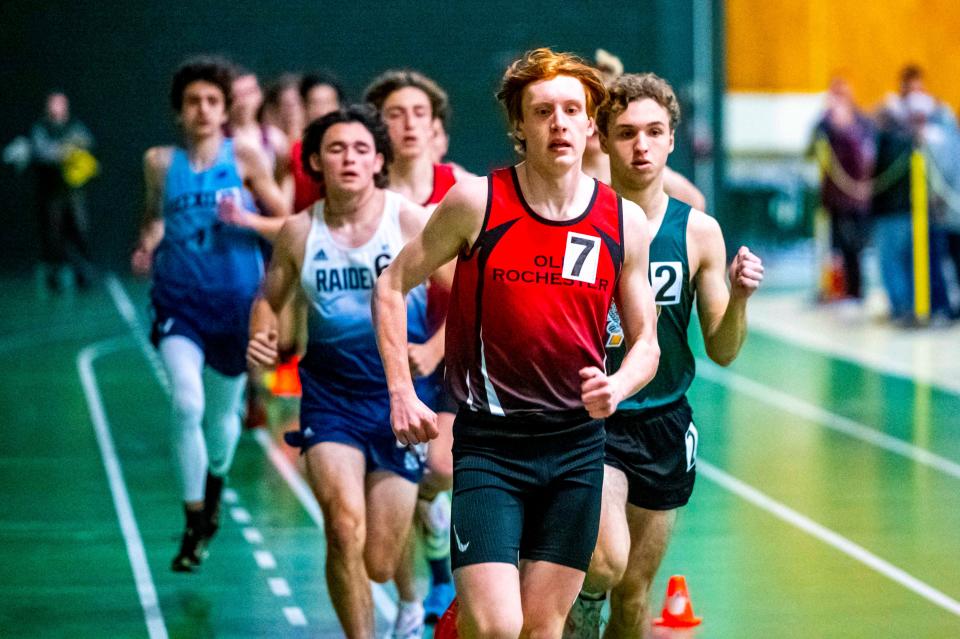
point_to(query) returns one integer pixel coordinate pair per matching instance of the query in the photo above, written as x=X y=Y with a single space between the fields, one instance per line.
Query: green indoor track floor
x=827 y=502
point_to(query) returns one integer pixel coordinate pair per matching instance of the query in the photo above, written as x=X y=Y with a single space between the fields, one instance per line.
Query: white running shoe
x=409 y=621
x=434 y=519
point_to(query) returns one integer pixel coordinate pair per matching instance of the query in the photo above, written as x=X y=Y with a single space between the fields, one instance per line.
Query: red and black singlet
x=443 y=179
x=306 y=190
x=438 y=297
x=529 y=303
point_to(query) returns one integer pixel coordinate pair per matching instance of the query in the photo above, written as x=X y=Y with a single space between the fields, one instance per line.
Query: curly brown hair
x=213 y=69
x=631 y=87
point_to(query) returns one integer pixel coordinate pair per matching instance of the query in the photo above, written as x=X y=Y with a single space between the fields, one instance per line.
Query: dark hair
x=911 y=72
x=271 y=94
x=544 y=64
x=395 y=79
x=631 y=87
x=366 y=115
x=213 y=69
x=318 y=79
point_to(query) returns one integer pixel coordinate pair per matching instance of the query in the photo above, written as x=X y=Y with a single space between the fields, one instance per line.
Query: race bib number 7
x=581 y=257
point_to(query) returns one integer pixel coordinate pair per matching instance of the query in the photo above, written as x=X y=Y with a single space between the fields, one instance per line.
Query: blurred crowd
x=871 y=182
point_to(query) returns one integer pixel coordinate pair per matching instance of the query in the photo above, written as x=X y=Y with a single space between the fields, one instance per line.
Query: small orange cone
x=677 y=610
x=286 y=379
x=446 y=627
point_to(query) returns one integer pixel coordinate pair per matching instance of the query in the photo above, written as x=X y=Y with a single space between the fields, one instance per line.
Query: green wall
x=114 y=60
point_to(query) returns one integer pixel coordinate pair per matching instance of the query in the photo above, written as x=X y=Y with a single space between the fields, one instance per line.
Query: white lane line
x=279 y=587
x=295 y=616
x=827 y=536
x=156 y=628
x=252 y=535
x=240 y=515
x=129 y=314
x=230 y=496
x=769 y=395
x=853 y=353
x=265 y=559
x=381 y=598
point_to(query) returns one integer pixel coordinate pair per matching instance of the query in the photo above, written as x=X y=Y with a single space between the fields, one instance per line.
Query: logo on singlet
x=348 y=278
x=321 y=256
x=614 y=329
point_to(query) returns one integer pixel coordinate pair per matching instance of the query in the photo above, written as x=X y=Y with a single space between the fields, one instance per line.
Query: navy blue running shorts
x=224 y=352
x=360 y=421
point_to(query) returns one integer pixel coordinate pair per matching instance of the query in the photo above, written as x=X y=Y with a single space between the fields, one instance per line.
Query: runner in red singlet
x=542 y=250
x=321 y=94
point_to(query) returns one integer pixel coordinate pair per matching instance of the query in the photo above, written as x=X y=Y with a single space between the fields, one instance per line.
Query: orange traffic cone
x=286 y=379
x=446 y=627
x=677 y=610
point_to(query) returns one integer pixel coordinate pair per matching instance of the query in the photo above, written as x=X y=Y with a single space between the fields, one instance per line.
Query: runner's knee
x=607 y=568
x=346 y=532
x=489 y=624
x=379 y=568
x=188 y=407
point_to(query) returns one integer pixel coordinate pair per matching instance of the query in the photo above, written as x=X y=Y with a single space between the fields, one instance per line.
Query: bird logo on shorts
x=410 y=461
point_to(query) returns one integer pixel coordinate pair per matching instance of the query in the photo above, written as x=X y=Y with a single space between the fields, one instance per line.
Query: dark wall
x=115 y=61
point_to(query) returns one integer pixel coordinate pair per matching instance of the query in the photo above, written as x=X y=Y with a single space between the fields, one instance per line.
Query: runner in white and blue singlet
x=331 y=254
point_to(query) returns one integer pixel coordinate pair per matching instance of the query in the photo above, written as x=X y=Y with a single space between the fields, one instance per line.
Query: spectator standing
x=62 y=165
x=847 y=160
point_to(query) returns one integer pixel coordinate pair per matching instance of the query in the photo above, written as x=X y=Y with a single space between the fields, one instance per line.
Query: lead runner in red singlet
x=542 y=250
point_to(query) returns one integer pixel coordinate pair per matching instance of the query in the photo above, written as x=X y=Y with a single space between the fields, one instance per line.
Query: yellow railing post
x=921 y=236
x=821 y=227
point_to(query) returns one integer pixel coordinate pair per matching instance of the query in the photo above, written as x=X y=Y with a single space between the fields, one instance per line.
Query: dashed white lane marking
x=264 y=559
x=252 y=535
x=279 y=587
x=381 y=598
x=295 y=616
x=240 y=515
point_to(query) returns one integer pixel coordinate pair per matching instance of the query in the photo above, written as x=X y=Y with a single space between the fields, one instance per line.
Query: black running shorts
x=525 y=490
x=657 y=450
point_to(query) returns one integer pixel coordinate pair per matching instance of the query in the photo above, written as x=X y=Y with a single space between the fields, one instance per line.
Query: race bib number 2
x=581 y=257
x=666 y=282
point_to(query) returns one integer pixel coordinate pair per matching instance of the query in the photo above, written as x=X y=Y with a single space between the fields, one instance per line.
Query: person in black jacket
x=61 y=163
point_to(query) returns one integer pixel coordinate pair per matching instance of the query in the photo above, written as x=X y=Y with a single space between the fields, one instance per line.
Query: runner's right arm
x=279 y=285
x=156 y=161
x=454 y=226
